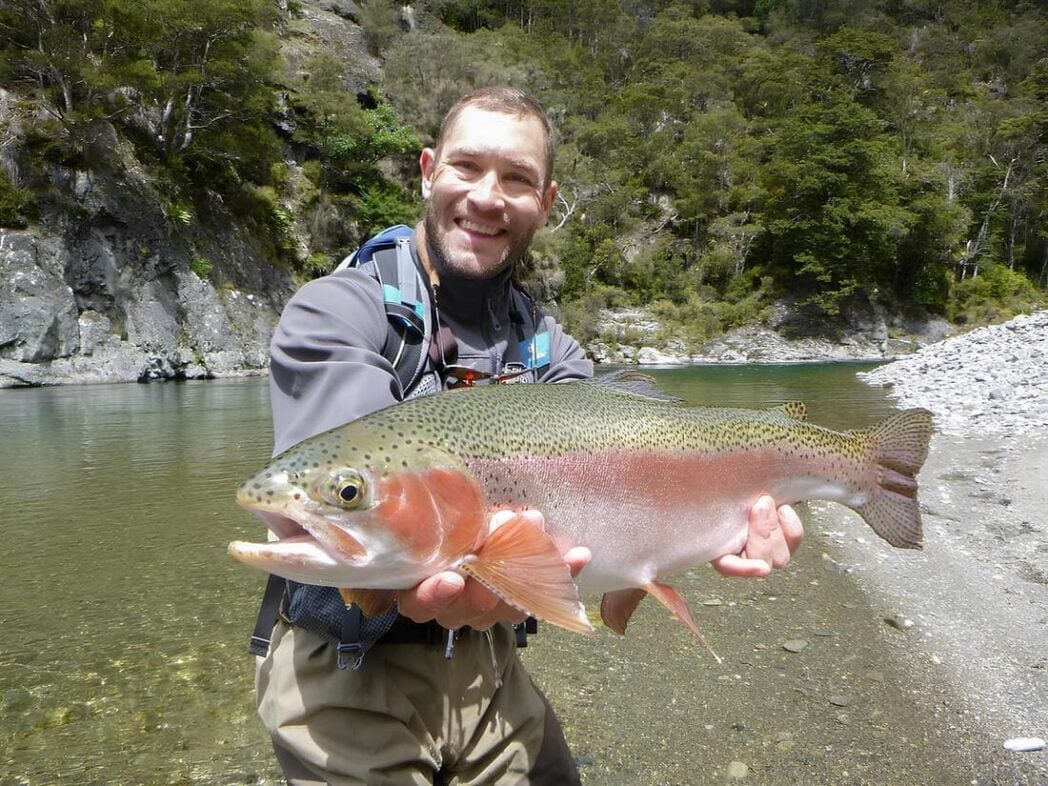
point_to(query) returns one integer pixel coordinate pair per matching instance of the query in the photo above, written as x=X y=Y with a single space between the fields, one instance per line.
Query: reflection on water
x=125 y=624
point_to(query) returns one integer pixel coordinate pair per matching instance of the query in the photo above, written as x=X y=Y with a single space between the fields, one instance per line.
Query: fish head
x=348 y=509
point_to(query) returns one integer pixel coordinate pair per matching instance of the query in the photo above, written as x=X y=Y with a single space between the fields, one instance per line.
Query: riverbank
x=978 y=594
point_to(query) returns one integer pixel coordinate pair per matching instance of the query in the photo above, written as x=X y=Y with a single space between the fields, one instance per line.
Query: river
x=123 y=657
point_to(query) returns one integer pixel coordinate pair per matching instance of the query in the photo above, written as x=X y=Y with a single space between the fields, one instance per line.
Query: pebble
x=1025 y=744
x=794 y=645
x=738 y=770
x=899 y=622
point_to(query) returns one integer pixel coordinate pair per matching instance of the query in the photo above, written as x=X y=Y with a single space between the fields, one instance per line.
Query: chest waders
x=412 y=323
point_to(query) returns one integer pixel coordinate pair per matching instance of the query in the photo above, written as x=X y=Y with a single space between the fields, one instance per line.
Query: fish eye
x=349 y=488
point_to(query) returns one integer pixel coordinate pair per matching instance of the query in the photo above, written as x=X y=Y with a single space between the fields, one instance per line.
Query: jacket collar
x=469 y=300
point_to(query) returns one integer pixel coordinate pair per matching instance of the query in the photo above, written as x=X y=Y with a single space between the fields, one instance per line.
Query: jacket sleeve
x=567 y=359
x=326 y=363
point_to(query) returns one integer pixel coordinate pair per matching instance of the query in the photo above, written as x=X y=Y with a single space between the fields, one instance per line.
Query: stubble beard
x=446 y=261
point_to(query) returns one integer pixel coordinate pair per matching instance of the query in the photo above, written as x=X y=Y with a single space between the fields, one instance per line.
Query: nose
x=486 y=193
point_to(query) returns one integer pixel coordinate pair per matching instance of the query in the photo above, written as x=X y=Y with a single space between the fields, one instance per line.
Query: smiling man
x=436 y=693
x=488 y=187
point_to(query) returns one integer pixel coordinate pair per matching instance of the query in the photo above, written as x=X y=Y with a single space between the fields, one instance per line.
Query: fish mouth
x=307 y=544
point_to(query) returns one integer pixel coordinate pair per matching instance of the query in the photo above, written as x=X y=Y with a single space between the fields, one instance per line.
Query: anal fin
x=617 y=607
x=671 y=599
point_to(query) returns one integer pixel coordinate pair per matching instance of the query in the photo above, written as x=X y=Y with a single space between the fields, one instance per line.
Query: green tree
x=831 y=214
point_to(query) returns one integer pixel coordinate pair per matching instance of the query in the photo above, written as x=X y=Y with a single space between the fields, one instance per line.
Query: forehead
x=519 y=138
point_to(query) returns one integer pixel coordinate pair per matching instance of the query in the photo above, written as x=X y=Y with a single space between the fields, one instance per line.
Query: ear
x=547 y=200
x=427 y=163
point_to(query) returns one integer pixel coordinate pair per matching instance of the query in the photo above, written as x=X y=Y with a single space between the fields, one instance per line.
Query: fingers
x=774 y=534
x=766 y=540
x=734 y=566
x=792 y=527
x=424 y=601
x=454 y=601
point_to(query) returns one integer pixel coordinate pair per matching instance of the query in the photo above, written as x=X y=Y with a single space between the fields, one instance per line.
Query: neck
x=464 y=299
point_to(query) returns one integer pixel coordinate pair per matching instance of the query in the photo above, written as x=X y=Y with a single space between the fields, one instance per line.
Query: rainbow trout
x=653 y=488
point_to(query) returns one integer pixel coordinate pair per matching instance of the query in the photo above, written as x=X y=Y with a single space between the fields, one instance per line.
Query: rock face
x=114 y=285
x=991 y=381
x=103 y=289
x=116 y=323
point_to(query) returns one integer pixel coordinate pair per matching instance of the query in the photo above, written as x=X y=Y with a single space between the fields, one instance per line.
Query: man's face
x=485 y=190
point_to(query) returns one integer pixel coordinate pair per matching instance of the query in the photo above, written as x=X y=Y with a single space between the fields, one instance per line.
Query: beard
x=447 y=260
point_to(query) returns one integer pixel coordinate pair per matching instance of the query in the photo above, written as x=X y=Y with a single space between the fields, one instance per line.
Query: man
x=420 y=708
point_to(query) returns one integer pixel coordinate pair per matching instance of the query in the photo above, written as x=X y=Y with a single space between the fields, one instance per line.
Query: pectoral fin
x=520 y=564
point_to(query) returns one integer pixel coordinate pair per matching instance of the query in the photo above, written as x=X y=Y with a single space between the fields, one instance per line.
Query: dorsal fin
x=634 y=383
x=795 y=410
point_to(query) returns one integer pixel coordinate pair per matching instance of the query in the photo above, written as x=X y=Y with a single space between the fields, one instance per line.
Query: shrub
x=996 y=294
x=17 y=206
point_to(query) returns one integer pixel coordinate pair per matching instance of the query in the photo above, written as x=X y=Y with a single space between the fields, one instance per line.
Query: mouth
x=483 y=230
x=306 y=542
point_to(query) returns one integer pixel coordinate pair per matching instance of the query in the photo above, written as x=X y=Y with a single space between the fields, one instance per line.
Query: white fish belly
x=645 y=515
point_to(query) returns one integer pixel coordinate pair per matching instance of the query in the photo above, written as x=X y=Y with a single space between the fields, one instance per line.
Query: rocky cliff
x=113 y=283
x=102 y=289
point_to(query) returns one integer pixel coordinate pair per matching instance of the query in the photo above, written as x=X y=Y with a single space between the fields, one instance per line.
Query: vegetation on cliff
x=714 y=155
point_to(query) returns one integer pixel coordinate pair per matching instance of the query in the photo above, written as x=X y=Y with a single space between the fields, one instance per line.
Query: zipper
x=494 y=328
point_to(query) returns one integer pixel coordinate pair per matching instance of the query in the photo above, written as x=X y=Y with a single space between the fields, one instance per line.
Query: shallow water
x=125 y=624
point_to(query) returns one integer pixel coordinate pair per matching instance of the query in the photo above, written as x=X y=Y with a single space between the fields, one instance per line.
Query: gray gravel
x=991 y=381
x=979 y=593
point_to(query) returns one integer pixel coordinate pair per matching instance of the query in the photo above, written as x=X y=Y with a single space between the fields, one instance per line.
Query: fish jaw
x=296 y=557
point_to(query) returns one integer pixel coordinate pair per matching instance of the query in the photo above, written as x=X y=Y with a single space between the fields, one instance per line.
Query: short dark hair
x=508 y=101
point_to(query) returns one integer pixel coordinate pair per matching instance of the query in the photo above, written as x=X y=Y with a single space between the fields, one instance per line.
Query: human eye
x=466 y=166
x=521 y=179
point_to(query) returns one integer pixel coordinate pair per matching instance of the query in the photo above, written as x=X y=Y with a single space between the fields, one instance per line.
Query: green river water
x=124 y=623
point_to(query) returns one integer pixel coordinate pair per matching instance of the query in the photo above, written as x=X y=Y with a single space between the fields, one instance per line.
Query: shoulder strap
x=532 y=336
x=387 y=258
x=268 y=609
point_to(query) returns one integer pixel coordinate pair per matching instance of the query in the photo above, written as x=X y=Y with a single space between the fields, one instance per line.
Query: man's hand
x=774 y=536
x=454 y=600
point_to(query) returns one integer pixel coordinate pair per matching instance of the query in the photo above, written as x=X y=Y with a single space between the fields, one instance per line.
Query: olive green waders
x=409 y=714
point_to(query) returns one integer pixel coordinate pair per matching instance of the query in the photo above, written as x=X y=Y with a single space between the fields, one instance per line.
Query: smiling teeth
x=490 y=231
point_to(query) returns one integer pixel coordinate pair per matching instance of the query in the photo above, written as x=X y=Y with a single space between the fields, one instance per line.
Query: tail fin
x=900 y=446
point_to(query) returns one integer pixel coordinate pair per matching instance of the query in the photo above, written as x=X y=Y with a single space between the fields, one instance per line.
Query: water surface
x=125 y=623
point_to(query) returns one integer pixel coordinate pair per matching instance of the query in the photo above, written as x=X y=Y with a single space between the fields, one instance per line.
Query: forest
x=714 y=156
